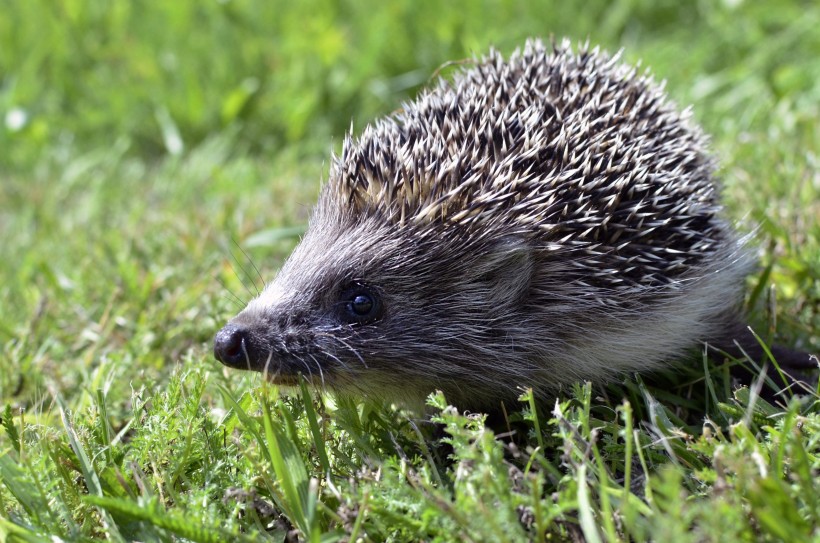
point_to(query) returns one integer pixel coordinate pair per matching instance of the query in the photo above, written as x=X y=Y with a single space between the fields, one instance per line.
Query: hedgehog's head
x=376 y=308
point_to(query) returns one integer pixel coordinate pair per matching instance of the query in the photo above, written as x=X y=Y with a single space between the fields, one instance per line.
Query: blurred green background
x=140 y=140
x=162 y=77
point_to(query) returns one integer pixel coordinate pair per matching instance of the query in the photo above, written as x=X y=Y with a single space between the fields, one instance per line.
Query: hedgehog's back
x=573 y=149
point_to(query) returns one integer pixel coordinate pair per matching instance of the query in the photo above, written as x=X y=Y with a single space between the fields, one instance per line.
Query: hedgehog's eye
x=360 y=304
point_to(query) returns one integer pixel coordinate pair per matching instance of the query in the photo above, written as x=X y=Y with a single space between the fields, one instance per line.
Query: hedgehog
x=530 y=222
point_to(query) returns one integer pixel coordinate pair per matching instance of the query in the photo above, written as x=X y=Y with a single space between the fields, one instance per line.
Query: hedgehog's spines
x=573 y=145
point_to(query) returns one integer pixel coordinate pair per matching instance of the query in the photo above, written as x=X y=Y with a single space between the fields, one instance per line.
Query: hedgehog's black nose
x=231 y=346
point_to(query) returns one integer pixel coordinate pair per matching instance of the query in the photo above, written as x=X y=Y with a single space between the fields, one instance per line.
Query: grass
x=142 y=142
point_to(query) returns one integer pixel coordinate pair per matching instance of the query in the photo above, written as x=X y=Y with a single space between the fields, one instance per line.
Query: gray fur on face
x=530 y=223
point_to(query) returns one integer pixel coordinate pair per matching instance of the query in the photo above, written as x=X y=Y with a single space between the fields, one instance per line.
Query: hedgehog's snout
x=258 y=341
x=234 y=348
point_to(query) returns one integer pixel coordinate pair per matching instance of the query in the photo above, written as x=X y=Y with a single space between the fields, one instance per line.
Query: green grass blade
x=92 y=480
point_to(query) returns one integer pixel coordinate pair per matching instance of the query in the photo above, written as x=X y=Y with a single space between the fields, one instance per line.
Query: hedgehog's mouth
x=290 y=379
x=283 y=379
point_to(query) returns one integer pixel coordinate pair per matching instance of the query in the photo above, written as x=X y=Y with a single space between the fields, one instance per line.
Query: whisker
x=266 y=369
x=244 y=272
x=351 y=349
x=247 y=356
x=250 y=260
x=321 y=373
x=307 y=367
x=333 y=356
x=228 y=293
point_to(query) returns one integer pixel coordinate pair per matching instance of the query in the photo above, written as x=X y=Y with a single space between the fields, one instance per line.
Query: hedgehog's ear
x=506 y=272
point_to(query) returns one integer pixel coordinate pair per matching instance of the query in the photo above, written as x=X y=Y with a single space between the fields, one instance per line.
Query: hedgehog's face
x=373 y=310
